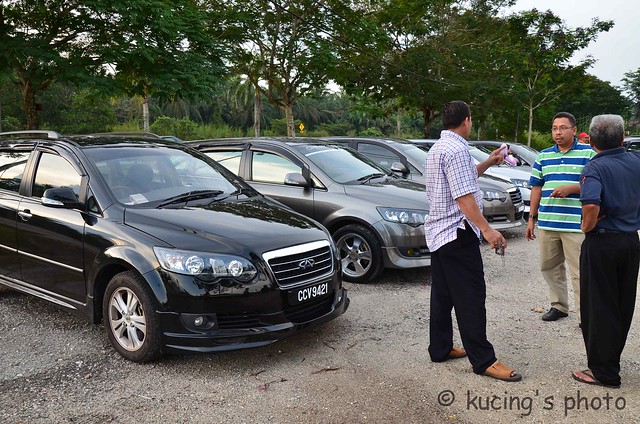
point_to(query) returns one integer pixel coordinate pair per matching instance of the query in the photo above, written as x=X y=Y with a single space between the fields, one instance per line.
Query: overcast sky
x=616 y=51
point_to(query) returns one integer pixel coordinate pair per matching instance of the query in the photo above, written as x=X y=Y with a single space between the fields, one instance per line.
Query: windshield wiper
x=367 y=178
x=191 y=195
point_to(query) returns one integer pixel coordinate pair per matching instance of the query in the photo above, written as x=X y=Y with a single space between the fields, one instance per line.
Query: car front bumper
x=245 y=329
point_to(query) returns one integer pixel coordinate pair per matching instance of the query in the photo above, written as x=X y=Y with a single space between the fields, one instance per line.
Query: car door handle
x=25 y=215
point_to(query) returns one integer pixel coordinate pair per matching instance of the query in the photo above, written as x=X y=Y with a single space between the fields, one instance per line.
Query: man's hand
x=494 y=238
x=495 y=158
x=565 y=190
x=529 y=232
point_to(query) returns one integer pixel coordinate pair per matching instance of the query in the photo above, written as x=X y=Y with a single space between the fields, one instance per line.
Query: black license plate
x=308 y=293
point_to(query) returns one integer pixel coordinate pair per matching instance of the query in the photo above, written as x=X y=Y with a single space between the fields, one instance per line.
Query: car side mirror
x=60 y=197
x=295 y=179
x=399 y=168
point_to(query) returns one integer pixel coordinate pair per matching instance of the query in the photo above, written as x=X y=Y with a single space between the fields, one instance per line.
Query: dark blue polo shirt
x=612 y=180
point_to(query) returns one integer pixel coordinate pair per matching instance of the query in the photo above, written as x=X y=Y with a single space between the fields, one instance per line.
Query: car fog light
x=200 y=321
x=410 y=252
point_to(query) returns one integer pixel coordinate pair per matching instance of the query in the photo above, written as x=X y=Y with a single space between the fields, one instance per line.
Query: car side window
x=55 y=171
x=378 y=154
x=271 y=168
x=12 y=165
x=228 y=159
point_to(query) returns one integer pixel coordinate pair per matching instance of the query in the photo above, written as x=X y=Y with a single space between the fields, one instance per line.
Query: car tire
x=131 y=319
x=360 y=253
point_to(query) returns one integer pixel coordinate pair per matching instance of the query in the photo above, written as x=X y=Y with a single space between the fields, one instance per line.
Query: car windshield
x=341 y=164
x=148 y=176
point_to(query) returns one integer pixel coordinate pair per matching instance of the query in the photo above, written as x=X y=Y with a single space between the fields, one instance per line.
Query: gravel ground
x=369 y=365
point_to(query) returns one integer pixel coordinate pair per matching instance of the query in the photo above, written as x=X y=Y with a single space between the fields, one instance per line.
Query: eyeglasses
x=562 y=129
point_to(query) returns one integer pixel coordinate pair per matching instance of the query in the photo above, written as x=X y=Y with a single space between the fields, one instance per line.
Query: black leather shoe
x=553 y=314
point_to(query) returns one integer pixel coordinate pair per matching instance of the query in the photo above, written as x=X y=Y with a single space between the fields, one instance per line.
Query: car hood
x=391 y=193
x=520 y=172
x=254 y=225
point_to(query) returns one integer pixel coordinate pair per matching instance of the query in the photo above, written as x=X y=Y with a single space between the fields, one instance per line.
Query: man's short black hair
x=606 y=131
x=570 y=117
x=454 y=114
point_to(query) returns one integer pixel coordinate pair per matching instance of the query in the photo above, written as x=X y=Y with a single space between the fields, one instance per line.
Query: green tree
x=286 y=51
x=631 y=84
x=164 y=48
x=541 y=48
x=46 y=41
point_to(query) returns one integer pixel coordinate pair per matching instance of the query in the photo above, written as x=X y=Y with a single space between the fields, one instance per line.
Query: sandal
x=586 y=376
x=457 y=353
x=502 y=372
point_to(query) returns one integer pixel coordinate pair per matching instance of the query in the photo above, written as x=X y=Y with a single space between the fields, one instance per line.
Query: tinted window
x=12 y=166
x=271 y=168
x=55 y=171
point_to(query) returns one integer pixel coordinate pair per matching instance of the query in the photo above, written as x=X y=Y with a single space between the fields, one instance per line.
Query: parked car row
x=170 y=250
x=518 y=176
x=212 y=245
x=375 y=217
x=502 y=201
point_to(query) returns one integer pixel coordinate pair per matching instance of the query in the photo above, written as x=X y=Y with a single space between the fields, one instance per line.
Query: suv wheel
x=360 y=253
x=130 y=317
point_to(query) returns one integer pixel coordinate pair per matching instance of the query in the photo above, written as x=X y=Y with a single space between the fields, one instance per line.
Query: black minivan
x=171 y=251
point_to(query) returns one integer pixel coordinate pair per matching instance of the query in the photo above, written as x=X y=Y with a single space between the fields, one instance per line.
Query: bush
x=11 y=123
x=372 y=132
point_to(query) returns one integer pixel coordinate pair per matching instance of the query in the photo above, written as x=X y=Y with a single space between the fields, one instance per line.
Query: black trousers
x=457 y=282
x=608 y=278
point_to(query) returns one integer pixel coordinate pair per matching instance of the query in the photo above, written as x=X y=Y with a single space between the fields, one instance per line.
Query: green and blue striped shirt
x=554 y=168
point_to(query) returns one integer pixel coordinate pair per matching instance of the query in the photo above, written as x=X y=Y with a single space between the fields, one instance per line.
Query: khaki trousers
x=556 y=248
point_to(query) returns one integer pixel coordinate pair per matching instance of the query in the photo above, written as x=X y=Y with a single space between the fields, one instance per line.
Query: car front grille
x=516 y=199
x=516 y=196
x=301 y=264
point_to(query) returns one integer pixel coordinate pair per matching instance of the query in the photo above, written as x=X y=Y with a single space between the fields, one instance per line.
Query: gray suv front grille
x=516 y=196
x=301 y=264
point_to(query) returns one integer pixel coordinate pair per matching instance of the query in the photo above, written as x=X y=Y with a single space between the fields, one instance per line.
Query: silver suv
x=375 y=217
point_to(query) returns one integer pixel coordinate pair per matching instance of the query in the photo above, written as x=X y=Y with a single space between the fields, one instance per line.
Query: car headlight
x=204 y=265
x=520 y=183
x=412 y=217
x=494 y=195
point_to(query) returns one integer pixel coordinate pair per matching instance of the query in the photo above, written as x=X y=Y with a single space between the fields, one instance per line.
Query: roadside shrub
x=11 y=123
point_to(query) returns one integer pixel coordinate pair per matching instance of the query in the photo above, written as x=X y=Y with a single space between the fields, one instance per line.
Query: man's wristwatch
x=534 y=217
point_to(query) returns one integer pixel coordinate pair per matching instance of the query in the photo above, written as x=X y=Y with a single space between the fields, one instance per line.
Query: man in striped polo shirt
x=555 y=205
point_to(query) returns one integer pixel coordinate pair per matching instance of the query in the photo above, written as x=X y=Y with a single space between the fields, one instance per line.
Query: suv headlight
x=494 y=195
x=204 y=265
x=412 y=217
x=520 y=183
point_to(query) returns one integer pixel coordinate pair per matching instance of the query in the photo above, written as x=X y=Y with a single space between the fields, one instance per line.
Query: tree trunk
x=427 y=118
x=398 y=123
x=530 y=123
x=29 y=106
x=288 y=116
x=145 y=113
x=257 y=112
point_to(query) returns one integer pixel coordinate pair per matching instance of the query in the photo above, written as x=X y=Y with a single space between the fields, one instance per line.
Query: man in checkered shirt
x=454 y=230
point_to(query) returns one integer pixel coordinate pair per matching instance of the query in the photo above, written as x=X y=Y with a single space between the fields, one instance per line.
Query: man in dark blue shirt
x=610 y=253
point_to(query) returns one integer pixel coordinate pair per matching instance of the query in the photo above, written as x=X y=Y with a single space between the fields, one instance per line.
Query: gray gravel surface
x=369 y=365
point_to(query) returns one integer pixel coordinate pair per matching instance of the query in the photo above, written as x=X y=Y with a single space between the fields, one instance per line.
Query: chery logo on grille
x=307 y=263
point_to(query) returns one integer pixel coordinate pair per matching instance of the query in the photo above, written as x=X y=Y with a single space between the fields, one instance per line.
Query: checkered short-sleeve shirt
x=451 y=173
